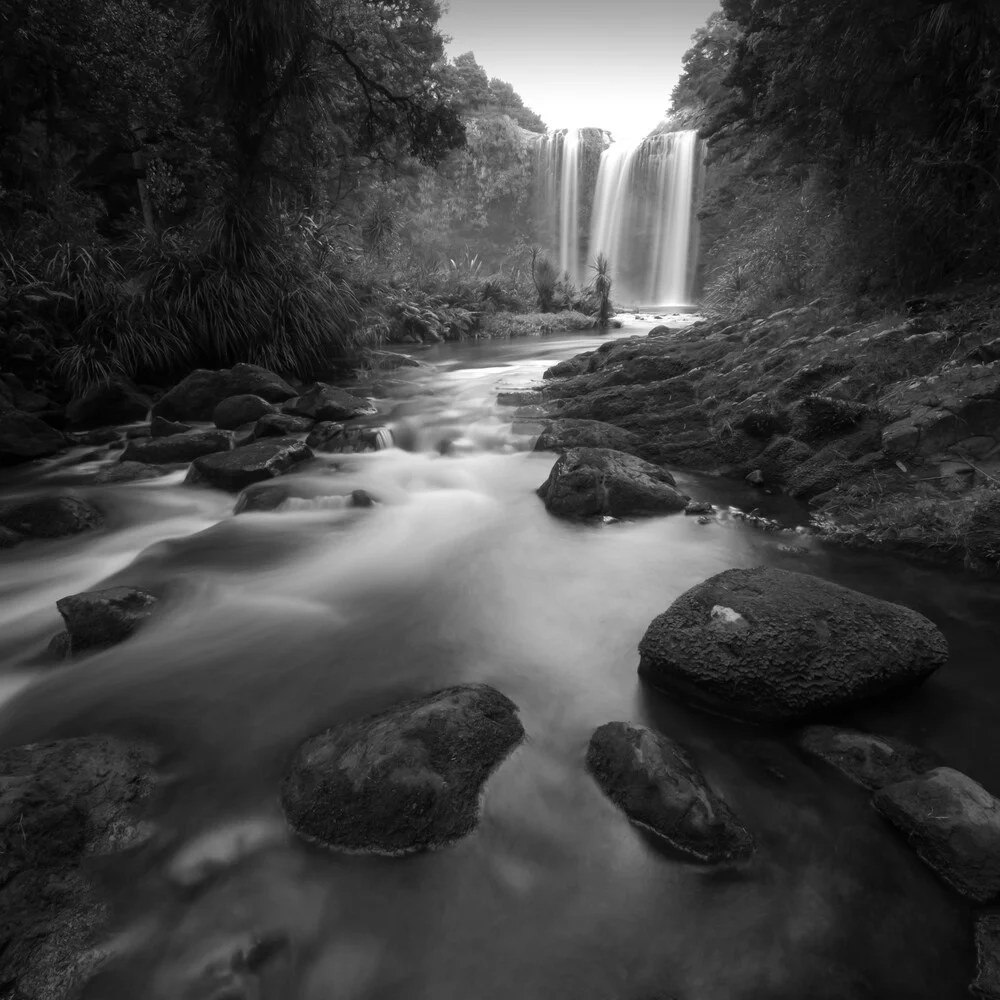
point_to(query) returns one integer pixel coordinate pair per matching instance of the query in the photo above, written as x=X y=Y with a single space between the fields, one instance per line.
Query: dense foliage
x=852 y=145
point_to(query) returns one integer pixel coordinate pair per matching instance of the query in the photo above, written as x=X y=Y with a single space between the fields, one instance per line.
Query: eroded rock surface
x=405 y=780
x=324 y=402
x=803 y=646
x=953 y=823
x=196 y=397
x=47 y=517
x=561 y=435
x=234 y=470
x=654 y=781
x=177 y=448
x=96 y=619
x=23 y=436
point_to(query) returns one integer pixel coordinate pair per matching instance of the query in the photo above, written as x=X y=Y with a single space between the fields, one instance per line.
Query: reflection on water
x=279 y=624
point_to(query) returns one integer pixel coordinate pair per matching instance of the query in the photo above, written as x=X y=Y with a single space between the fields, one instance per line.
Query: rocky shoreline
x=888 y=430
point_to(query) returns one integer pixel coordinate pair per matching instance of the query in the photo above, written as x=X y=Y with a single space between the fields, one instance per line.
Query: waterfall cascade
x=557 y=164
x=641 y=212
x=644 y=217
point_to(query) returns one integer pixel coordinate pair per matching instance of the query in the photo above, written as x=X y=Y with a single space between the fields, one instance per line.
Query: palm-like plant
x=602 y=289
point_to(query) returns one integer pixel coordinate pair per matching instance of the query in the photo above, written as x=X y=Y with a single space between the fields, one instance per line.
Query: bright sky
x=610 y=64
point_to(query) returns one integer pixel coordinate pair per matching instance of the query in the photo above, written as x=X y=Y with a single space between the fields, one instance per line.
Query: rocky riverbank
x=889 y=430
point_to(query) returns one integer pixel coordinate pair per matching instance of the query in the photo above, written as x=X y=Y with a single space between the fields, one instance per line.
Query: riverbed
x=277 y=625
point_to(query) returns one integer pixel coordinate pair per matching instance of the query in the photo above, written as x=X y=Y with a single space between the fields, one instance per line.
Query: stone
x=953 y=824
x=755 y=478
x=407 y=779
x=235 y=411
x=260 y=498
x=362 y=498
x=63 y=805
x=660 y=331
x=699 y=507
x=128 y=472
x=161 y=427
x=107 y=403
x=49 y=517
x=133 y=433
x=818 y=417
x=811 y=646
x=195 y=397
x=178 y=448
x=96 y=619
x=866 y=759
x=331 y=437
x=561 y=435
x=23 y=436
x=987 y=982
x=22 y=398
x=280 y=425
x=654 y=781
x=519 y=397
x=591 y=482
x=324 y=402
x=103 y=435
x=234 y=470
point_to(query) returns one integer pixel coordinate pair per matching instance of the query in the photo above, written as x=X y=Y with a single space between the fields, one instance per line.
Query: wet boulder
x=953 y=824
x=235 y=411
x=196 y=397
x=128 y=472
x=47 y=517
x=331 y=437
x=772 y=647
x=108 y=403
x=161 y=427
x=519 y=397
x=324 y=402
x=590 y=482
x=280 y=425
x=177 y=448
x=234 y=470
x=408 y=779
x=561 y=435
x=658 y=786
x=987 y=982
x=96 y=619
x=23 y=436
x=866 y=759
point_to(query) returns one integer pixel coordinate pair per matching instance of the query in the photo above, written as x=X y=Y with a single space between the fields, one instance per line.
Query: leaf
x=901 y=467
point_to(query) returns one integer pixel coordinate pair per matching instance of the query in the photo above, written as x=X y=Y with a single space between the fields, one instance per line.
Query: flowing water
x=277 y=625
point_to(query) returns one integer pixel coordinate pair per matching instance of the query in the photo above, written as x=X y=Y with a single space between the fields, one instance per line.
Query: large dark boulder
x=96 y=619
x=114 y=402
x=331 y=437
x=23 y=436
x=177 y=448
x=235 y=470
x=406 y=780
x=47 y=517
x=771 y=646
x=868 y=760
x=953 y=823
x=588 y=482
x=324 y=402
x=239 y=410
x=655 y=783
x=196 y=397
x=561 y=435
x=22 y=398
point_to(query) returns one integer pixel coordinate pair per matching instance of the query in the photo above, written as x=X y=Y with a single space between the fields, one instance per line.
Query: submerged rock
x=589 y=482
x=61 y=806
x=561 y=435
x=868 y=760
x=234 y=470
x=128 y=472
x=323 y=402
x=98 y=618
x=405 y=780
x=47 y=517
x=235 y=411
x=953 y=824
x=519 y=397
x=177 y=448
x=336 y=438
x=161 y=427
x=987 y=981
x=114 y=402
x=23 y=436
x=805 y=646
x=657 y=785
x=196 y=397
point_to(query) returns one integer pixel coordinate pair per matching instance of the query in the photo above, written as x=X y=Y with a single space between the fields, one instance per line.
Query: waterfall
x=557 y=166
x=569 y=207
x=643 y=218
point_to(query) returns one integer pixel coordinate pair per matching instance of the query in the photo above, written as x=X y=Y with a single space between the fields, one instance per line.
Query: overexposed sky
x=611 y=64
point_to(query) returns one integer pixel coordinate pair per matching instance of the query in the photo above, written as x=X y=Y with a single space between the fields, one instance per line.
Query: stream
x=277 y=625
